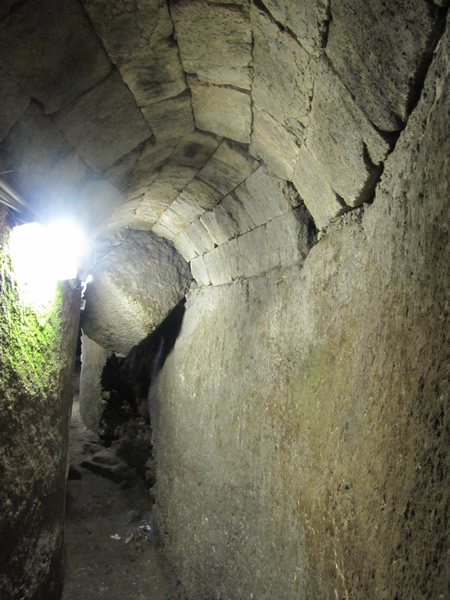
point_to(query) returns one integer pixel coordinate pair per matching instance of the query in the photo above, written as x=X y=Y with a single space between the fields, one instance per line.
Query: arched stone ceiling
x=210 y=122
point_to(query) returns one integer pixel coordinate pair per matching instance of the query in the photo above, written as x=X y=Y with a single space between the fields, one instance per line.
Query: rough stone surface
x=274 y=144
x=155 y=76
x=283 y=75
x=13 y=101
x=223 y=110
x=264 y=196
x=37 y=346
x=228 y=167
x=400 y=36
x=41 y=45
x=136 y=171
x=93 y=359
x=215 y=42
x=138 y=279
x=311 y=180
x=342 y=139
x=170 y=118
x=112 y=124
x=311 y=446
x=308 y=21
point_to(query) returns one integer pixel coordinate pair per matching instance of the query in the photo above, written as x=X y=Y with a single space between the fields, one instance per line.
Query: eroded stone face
x=138 y=279
x=43 y=44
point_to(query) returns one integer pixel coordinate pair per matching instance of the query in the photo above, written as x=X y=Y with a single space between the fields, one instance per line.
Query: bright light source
x=43 y=255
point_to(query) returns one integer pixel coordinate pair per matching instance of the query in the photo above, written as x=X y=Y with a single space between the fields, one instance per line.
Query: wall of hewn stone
x=37 y=350
x=301 y=422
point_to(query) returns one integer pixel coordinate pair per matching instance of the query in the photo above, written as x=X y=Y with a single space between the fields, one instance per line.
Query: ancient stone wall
x=300 y=424
x=37 y=350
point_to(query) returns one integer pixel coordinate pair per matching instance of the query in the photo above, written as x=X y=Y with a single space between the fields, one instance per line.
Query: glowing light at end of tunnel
x=42 y=255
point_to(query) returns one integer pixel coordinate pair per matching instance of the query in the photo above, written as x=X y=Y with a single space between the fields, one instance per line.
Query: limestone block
x=283 y=234
x=154 y=75
x=237 y=211
x=228 y=167
x=170 y=118
x=136 y=171
x=137 y=279
x=217 y=266
x=105 y=123
x=13 y=102
x=283 y=74
x=45 y=44
x=200 y=192
x=254 y=253
x=93 y=360
x=378 y=50
x=199 y=237
x=312 y=183
x=215 y=42
x=165 y=228
x=185 y=246
x=221 y=110
x=219 y=224
x=264 y=196
x=128 y=26
x=199 y=271
x=307 y=20
x=195 y=149
x=274 y=144
x=343 y=140
x=186 y=209
x=169 y=183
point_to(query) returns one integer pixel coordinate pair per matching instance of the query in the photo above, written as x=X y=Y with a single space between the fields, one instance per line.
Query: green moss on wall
x=37 y=345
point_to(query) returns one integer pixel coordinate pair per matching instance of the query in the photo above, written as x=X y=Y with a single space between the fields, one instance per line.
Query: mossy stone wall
x=36 y=360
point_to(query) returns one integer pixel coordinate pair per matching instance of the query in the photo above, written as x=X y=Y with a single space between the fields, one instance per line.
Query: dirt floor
x=108 y=555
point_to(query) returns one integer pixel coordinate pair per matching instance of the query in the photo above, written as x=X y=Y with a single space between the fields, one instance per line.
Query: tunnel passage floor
x=99 y=567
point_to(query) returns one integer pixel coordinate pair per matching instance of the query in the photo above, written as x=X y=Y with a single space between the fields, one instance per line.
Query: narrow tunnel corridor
x=262 y=298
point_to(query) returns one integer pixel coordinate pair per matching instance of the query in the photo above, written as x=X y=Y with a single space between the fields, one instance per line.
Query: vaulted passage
x=263 y=186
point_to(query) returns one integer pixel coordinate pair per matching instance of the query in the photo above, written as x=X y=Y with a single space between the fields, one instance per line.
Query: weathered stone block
x=378 y=50
x=219 y=224
x=135 y=172
x=234 y=206
x=221 y=110
x=283 y=74
x=138 y=279
x=42 y=42
x=264 y=196
x=93 y=360
x=201 y=193
x=312 y=183
x=199 y=237
x=199 y=271
x=228 y=167
x=307 y=20
x=170 y=118
x=343 y=140
x=218 y=266
x=274 y=144
x=215 y=42
x=195 y=149
x=254 y=253
x=128 y=26
x=283 y=234
x=154 y=75
x=185 y=246
x=105 y=123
